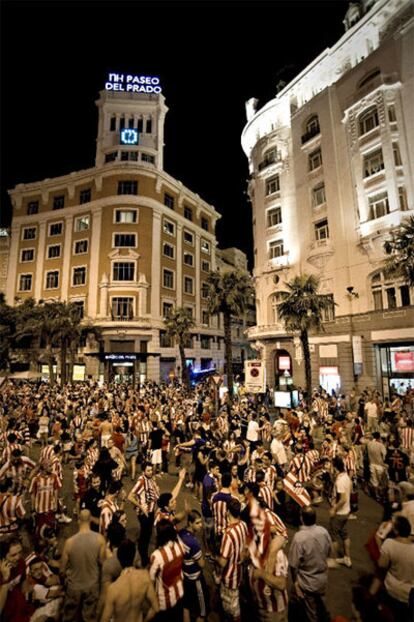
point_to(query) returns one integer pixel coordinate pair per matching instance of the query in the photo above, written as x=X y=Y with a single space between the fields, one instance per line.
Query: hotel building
x=123 y=240
x=331 y=176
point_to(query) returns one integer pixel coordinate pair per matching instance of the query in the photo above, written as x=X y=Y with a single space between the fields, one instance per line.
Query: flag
x=295 y=489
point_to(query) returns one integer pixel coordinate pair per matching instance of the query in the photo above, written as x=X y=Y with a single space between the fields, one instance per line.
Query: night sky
x=211 y=57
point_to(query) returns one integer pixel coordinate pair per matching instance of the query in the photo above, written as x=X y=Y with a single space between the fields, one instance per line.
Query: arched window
x=368 y=77
x=274 y=300
x=368 y=120
x=387 y=293
x=311 y=128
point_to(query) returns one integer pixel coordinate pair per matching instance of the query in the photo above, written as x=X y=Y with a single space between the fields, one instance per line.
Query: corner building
x=123 y=240
x=331 y=176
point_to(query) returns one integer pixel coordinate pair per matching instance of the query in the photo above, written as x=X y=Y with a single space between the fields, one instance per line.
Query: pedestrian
x=82 y=557
x=339 y=514
x=144 y=496
x=308 y=556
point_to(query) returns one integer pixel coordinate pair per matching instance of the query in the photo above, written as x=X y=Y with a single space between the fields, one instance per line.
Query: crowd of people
x=253 y=473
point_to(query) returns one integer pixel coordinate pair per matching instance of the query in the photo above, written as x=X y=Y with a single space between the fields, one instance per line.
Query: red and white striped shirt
x=146 y=493
x=44 y=490
x=301 y=466
x=166 y=571
x=108 y=508
x=232 y=547
x=219 y=506
x=295 y=490
x=7 y=451
x=266 y=494
x=270 y=476
x=11 y=510
x=271 y=599
x=276 y=524
x=17 y=472
x=407 y=439
x=47 y=453
x=142 y=431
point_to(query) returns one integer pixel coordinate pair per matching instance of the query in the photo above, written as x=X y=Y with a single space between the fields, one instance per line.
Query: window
x=188 y=285
x=274 y=216
x=55 y=228
x=311 y=129
x=168 y=279
x=129 y=216
x=129 y=155
x=82 y=223
x=112 y=124
x=370 y=76
x=32 y=207
x=204 y=291
x=122 y=122
x=205 y=317
x=122 y=308
x=205 y=246
x=188 y=258
x=140 y=125
x=397 y=156
x=402 y=197
x=59 y=202
x=131 y=122
x=318 y=195
x=315 y=160
x=205 y=266
x=127 y=187
x=165 y=340
x=85 y=196
x=328 y=314
x=168 y=250
x=80 y=308
x=378 y=206
x=377 y=296
x=123 y=271
x=387 y=295
x=81 y=247
x=188 y=237
x=111 y=157
x=53 y=251
x=188 y=212
x=29 y=233
x=276 y=249
x=27 y=254
x=368 y=120
x=391 y=114
x=169 y=201
x=167 y=308
x=52 y=279
x=146 y=157
x=168 y=227
x=391 y=298
x=204 y=223
x=125 y=240
x=405 y=296
x=79 y=276
x=321 y=230
x=25 y=282
x=204 y=342
x=148 y=128
x=373 y=163
x=272 y=185
x=270 y=157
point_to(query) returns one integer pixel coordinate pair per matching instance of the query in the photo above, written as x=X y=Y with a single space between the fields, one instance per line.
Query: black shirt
x=90 y=501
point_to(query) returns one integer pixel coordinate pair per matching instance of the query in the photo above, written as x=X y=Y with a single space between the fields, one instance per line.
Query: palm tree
x=301 y=311
x=400 y=251
x=229 y=293
x=178 y=324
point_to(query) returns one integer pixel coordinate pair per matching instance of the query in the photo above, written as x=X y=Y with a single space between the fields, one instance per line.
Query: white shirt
x=343 y=484
x=371 y=409
x=252 y=431
x=278 y=451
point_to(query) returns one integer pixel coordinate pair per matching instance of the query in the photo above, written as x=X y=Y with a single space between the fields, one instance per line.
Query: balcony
x=315 y=131
x=274 y=159
x=320 y=252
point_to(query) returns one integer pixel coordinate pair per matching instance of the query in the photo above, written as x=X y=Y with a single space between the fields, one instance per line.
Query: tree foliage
x=178 y=325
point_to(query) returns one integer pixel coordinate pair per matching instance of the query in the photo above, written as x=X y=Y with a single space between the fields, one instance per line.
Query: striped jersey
x=270 y=476
x=108 y=508
x=232 y=547
x=271 y=599
x=266 y=495
x=301 y=467
x=407 y=439
x=146 y=493
x=192 y=554
x=11 y=510
x=219 y=506
x=166 y=571
x=44 y=489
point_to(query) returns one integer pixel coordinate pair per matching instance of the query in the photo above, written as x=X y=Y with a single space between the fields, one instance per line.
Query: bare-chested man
x=126 y=596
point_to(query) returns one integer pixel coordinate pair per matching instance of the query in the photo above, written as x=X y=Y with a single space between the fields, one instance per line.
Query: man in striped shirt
x=19 y=468
x=109 y=506
x=144 y=496
x=166 y=571
x=44 y=490
x=11 y=508
x=232 y=552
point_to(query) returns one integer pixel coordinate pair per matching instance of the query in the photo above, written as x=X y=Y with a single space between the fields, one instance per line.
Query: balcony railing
x=313 y=132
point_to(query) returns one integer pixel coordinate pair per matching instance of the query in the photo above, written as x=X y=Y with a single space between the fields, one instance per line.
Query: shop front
x=396 y=365
x=125 y=367
x=283 y=370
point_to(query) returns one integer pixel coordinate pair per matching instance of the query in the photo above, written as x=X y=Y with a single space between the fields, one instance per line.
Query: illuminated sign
x=132 y=84
x=129 y=136
x=120 y=357
x=284 y=362
x=402 y=361
x=328 y=371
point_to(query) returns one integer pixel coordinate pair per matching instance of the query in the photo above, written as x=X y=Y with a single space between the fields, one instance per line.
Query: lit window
x=29 y=233
x=315 y=160
x=378 y=206
x=79 y=276
x=368 y=120
x=205 y=246
x=168 y=279
x=52 y=279
x=322 y=230
x=59 y=202
x=122 y=308
x=27 y=254
x=373 y=163
x=128 y=216
x=25 y=282
x=125 y=240
x=276 y=249
x=55 y=228
x=123 y=271
x=274 y=216
x=81 y=247
x=82 y=223
x=318 y=195
x=168 y=250
x=128 y=187
x=272 y=185
x=53 y=251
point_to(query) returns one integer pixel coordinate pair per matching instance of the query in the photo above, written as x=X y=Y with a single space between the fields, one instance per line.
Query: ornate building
x=331 y=175
x=123 y=240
